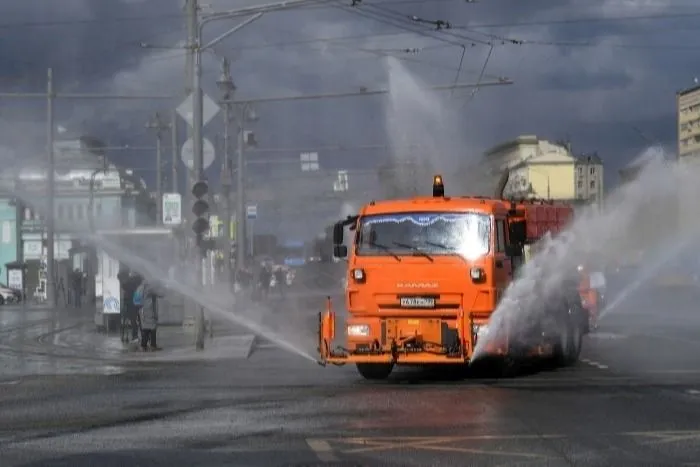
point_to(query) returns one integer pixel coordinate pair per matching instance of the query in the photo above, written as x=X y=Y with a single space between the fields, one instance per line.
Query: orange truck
x=426 y=274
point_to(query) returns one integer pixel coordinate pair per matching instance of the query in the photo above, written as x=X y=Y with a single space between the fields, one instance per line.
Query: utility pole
x=228 y=89
x=50 y=174
x=241 y=221
x=156 y=123
x=174 y=143
x=192 y=18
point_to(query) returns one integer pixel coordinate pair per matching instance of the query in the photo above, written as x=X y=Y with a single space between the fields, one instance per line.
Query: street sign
x=15 y=279
x=172 y=209
x=187 y=154
x=251 y=211
x=209 y=109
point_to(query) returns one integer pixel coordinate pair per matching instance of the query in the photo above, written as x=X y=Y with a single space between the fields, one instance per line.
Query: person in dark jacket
x=148 y=314
x=264 y=278
x=77 y=285
x=131 y=312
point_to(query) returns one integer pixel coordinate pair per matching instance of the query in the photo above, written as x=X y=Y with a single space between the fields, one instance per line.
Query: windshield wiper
x=415 y=249
x=445 y=247
x=439 y=245
x=387 y=249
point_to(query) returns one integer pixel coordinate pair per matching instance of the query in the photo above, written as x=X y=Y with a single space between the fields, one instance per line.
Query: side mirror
x=338 y=234
x=513 y=250
x=517 y=232
x=340 y=251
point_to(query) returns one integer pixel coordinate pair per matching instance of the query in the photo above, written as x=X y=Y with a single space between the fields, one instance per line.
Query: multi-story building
x=543 y=169
x=688 y=104
x=89 y=193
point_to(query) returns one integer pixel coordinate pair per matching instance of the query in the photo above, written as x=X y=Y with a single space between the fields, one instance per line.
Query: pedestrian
x=265 y=279
x=77 y=283
x=280 y=280
x=130 y=310
x=145 y=297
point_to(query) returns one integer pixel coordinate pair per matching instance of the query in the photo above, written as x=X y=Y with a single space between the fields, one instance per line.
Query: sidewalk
x=77 y=337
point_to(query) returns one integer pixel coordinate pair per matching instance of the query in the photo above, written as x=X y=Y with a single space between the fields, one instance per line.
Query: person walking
x=146 y=297
x=77 y=283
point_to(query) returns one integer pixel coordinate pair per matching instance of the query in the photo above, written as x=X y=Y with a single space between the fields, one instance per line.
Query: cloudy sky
x=602 y=73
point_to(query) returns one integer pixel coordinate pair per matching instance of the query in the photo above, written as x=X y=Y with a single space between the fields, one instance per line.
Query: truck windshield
x=435 y=233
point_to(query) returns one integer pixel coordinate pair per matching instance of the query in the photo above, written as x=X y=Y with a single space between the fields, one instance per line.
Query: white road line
x=595 y=364
x=10 y=383
x=322 y=449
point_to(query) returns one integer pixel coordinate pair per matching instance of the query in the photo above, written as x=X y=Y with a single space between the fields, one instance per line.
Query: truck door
x=503 y=268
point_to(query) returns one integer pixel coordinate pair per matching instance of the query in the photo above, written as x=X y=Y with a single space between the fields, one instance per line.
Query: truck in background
x=424 y=276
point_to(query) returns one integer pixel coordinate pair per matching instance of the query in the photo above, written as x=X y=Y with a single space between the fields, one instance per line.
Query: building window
x=60 y=211
x=592 y=184
x=580 y=184
x=79 y=212
x=580 y=171
x=500 y=236
x=592 y=171
x=69 y=212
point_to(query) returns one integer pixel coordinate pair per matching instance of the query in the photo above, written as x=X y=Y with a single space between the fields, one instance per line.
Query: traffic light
x=200 y=209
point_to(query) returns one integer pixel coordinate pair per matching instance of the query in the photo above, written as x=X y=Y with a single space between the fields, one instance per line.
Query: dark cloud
x=586 y=81
x=589 y=80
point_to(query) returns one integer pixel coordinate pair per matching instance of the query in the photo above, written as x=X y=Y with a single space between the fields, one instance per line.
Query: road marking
x=594 y=363
x=10 y=383
x=606 y=335
x=439 y=443
x=666 y=437
x=322 y=449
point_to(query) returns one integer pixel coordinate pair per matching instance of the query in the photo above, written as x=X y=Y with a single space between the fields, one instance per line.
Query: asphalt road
x=634 y=399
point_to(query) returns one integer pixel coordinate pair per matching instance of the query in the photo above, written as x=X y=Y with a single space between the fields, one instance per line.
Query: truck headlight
x=358 y=275
x=358 y=330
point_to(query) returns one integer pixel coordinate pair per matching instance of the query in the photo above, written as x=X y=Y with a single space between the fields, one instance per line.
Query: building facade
x=688 y=105
x=89 y=193
x=546 y=170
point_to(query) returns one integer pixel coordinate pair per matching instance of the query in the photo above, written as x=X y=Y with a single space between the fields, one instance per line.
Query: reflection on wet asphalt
x=634 y=399
x=30 y=344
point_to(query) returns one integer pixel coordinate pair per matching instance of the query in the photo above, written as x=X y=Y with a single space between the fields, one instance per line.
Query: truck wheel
x=575 y=343
x=568 y=349
x=375 y=371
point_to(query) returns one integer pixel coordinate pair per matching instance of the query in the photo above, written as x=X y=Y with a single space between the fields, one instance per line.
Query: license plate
x=417 y=302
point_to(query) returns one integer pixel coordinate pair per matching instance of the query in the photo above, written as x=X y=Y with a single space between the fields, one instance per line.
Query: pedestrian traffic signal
x=200 y=209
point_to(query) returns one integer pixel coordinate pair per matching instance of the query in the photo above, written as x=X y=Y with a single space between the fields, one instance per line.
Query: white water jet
x=634 y=211
x=156 y=269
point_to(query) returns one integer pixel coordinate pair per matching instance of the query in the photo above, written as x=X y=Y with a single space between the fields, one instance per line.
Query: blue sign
x=294 y=261
x=251 y=211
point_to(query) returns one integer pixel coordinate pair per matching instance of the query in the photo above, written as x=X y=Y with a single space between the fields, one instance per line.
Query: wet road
x=634 y=399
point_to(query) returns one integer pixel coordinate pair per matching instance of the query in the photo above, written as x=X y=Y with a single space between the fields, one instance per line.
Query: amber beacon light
x=438 y=186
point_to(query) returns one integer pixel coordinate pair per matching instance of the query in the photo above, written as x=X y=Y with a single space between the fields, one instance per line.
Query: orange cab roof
x=429 y=203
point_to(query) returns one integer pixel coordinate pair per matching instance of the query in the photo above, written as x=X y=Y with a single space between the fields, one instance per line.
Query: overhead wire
x=442 y=26
x=510 y=24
